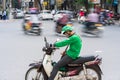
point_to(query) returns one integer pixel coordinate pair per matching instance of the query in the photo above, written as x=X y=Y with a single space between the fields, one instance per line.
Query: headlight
x=100 y=28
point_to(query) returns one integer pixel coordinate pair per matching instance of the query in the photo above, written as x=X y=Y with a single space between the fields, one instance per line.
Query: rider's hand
x=52 y=45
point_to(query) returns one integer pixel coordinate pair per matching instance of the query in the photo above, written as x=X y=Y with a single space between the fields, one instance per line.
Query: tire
x=93 y=73
x=33 y=74
x=99 y=33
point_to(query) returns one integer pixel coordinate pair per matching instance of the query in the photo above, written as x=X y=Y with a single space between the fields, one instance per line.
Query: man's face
x=67 y=33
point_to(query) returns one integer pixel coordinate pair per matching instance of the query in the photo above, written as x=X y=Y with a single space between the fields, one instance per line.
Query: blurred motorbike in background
x=109 y=22
x=61 y=22
x=96 y=29
x=31 y=24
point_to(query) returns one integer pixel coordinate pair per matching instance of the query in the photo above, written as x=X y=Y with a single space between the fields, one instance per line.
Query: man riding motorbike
x=75 y=44
x=62 y=22
x=81 y=13
x=92 y=18
x=81 y=16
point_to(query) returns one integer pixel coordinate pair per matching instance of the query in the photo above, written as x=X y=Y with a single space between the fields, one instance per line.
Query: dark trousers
x=63 y=62
x=4 y=17
x=0 y=17
x=90 y=25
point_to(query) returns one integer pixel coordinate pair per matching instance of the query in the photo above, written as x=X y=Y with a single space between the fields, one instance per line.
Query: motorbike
x=96 y=29
x=58 y=27
x=84 y=68
x=61 y=22
x=31 y=24
x=109 y=22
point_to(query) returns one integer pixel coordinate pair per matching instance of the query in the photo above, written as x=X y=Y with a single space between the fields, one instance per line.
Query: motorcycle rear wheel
x=93 y=73
x=33 y=74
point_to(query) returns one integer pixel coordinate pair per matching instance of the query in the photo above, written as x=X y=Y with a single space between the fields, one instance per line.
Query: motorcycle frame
x=46 y=66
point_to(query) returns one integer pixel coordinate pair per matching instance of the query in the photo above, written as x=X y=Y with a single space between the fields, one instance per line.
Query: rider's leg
x=87 y=25
x=64 y=61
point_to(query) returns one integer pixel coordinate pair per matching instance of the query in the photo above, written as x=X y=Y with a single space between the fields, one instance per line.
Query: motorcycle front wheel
x=33 y=74
x=93 y=73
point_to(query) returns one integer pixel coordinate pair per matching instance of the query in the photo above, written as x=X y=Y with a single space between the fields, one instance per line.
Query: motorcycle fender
x=97 y=66
x=36 y=64
x=40 y=67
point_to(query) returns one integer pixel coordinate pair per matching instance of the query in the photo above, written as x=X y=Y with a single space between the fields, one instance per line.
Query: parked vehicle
x=84 y=68
x=18 y=14
x=45 y=14
x=31 y=24
x=96 y=29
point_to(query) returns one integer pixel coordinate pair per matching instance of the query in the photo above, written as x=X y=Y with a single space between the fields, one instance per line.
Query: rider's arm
x=65 y=42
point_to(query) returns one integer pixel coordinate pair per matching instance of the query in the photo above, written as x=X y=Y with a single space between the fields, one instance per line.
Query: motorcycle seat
x=82 y=60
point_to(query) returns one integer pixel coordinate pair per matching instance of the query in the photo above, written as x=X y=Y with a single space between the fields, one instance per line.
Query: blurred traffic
x=93 y=22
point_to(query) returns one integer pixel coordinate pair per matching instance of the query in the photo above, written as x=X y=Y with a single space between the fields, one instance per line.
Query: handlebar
x=46 y=43
x=48 y=47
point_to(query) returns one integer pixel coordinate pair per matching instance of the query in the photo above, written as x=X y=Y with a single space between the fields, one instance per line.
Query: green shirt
x=75 y=44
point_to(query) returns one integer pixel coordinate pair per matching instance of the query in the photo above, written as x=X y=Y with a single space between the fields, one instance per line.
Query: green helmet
x=66 y=28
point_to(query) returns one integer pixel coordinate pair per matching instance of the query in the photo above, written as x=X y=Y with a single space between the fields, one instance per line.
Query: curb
x=11 y=20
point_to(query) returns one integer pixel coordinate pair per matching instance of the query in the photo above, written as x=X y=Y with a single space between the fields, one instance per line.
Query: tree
x=40 y=5
x=1 y=7
x=16 y=4
x=30 y=4
x=109 y=4
x=83 y=3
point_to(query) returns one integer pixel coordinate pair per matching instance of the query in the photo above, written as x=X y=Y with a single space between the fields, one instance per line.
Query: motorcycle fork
x=85 y=71
x=37 y=76
x=38 y=69
x=38 y=73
